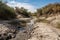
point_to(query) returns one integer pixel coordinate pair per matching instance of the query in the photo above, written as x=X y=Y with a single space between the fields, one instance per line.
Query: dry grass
x=42 y=20
x=58 y=25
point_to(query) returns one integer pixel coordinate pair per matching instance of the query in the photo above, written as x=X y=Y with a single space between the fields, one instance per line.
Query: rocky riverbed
x=32 y=31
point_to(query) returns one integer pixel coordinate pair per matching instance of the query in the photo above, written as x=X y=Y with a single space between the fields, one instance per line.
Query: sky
x=31 y=5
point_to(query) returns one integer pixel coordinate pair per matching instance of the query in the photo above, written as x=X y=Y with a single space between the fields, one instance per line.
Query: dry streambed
x=32 y=31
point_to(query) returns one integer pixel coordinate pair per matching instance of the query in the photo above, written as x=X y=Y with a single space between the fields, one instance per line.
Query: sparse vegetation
x=58 y=25
x=22 y=11
x=49 y=10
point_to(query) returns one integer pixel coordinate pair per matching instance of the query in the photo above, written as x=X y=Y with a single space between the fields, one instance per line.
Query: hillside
x=49 y=10
x=7 y=13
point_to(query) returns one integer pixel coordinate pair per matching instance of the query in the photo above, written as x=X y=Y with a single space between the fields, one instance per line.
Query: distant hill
x=50 y=9
x=22 y=12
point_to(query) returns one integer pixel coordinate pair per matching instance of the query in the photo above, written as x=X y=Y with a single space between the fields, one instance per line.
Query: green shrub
x=6 y=12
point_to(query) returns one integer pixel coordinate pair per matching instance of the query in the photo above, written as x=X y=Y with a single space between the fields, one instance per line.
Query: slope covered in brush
x=49 y=9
